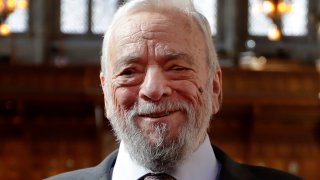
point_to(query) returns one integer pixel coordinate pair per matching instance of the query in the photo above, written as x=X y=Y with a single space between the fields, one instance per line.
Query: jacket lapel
x=231 y=170
x=105 y=168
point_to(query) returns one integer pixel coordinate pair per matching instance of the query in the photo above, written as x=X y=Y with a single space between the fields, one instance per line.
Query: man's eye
x=127 y=72
x=178 y=68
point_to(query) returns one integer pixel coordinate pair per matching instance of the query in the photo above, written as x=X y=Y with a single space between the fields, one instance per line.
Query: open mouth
x=157 y=114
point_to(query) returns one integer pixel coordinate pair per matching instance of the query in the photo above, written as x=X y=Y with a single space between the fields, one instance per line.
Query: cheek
x=188 y=90
x=125 y=97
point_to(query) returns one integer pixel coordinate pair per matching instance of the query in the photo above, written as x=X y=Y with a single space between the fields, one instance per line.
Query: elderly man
x=162 y=83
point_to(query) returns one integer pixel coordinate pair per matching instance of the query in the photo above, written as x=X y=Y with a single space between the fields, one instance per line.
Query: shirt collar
x=201 y=164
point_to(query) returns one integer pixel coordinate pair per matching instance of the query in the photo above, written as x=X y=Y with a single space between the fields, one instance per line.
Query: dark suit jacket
x=230 y=170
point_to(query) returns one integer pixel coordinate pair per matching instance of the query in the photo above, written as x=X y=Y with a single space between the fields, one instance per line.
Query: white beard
x=163 y=154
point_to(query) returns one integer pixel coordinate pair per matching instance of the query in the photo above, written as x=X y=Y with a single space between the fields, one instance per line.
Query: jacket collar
x=230 y=170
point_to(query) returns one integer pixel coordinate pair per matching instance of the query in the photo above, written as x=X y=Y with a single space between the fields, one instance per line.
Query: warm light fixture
x=275 y=9
x=6 y=8
x=4 y=30
x=274 y=33
x=268 y=7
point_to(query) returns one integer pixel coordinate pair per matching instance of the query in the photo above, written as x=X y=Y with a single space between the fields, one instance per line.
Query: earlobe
x=102 y=80
x=216 y=90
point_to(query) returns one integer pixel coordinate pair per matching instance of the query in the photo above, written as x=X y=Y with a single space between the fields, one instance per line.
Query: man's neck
x=201 y=163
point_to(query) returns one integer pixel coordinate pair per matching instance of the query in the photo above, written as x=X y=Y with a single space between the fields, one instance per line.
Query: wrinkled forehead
x=150 y=22
x=156 y=33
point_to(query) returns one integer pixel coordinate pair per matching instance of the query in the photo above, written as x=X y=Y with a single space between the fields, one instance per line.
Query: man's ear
x=103 y=83
x=216 y=90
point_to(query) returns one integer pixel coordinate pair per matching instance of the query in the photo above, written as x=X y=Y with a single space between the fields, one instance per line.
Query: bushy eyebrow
x=178 y=55
x=125 y=60
x=168 y=56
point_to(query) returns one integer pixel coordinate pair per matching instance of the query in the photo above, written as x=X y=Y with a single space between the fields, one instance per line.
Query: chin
x=160 y=135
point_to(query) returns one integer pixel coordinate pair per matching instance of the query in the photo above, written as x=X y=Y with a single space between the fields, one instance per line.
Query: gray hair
x=185 y=7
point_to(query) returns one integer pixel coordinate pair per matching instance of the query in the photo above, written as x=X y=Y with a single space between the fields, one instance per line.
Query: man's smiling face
x=155 y=56
x=157 y=85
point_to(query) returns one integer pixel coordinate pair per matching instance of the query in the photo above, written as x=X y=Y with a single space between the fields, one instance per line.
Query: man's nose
x=155 y=85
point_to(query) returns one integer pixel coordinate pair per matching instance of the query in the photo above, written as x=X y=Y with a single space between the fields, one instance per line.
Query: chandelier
x=275 y=9
x=6 y=8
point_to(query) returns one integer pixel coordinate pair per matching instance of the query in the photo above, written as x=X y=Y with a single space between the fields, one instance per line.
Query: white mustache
x=164 y=107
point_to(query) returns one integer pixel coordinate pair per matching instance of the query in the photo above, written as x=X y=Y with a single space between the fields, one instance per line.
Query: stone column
x=235 y=23
x=39 y=29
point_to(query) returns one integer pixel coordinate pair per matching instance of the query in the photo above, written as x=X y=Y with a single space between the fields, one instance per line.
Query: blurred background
x=51 y=103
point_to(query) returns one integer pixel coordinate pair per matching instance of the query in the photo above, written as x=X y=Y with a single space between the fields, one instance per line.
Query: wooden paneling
x=48 y=119
x=271 y=118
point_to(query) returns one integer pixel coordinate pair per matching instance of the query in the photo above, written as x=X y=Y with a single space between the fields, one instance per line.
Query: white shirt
x=201 y=164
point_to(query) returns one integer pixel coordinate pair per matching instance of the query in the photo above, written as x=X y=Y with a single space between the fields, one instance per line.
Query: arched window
x=209 y=9
x=73 y=16
x=293 y=24
x=77 y=18
x=18 y=21
x=102 y=13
